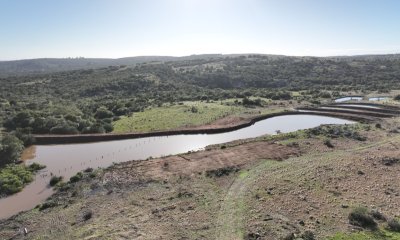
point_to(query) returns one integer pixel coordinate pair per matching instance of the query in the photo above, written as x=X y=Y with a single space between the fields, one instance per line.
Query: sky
x=124 y=28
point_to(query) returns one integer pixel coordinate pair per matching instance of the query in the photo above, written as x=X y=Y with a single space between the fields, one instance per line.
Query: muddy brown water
x=68 y=159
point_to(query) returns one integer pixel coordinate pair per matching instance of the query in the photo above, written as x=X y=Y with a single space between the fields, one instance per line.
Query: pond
x=360 y=106
x=68 y=159
x=349 y=98
x=377 y=98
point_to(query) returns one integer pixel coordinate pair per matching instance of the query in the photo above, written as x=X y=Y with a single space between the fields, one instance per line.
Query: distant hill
x=49 y=65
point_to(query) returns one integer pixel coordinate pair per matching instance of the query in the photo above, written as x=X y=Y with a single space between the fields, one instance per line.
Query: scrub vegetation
x=14 y=177
x=330 y=182
x=286 y=186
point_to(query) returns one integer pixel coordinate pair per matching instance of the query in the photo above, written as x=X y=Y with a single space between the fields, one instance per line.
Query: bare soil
x=258 y=189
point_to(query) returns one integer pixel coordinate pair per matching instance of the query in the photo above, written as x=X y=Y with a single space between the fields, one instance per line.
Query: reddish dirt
x=197 y=162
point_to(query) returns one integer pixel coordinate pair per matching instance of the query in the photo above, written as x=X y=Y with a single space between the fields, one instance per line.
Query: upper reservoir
x=345 y=99
x=377 y=98
x=68 y=159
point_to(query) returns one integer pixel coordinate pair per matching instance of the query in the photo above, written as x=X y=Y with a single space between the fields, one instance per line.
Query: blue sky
x=122 y=28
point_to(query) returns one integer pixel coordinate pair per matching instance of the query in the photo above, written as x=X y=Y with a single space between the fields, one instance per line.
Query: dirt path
x=231 y=217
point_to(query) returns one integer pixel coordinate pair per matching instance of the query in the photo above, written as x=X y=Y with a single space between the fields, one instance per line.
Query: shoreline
x=87 y=138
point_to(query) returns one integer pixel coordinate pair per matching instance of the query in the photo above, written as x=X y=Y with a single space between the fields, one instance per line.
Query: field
x=186 y=115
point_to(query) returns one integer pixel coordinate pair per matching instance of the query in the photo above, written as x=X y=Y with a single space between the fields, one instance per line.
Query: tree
x=103 y=112
x=10 y=149
x=64 y=129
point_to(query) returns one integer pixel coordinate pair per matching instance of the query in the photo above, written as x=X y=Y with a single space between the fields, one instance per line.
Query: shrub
x=88 y=170
x=221 y=171
x=48 y=204
x=388 y=161
x=34 y=167
x=25 y=136
x=64 y=129
x=87 y=215
x=10 y=149
x=362 y=218
x=194 y=109
x=76 y=178
x=378 y=215
x=10 y=184
x=103 y=112
x=308 y=235
x=54 y=180
x=108 y=127
x=63 y=186
x=328 y=143
x=95 y=128
x=13 y=178
x=394 y=225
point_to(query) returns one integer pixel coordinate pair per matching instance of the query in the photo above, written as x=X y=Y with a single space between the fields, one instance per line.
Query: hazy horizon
x=124 y=28
x=81 y=57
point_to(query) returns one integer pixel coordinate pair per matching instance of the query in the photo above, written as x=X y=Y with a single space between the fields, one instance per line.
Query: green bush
x=34 y=167
x=10 y=184
x=394 y=225
x=64 y=129
x=10 y=149
x=54 y=180
x=220 y=172
x=76 y=178
x=48 y=204
x=103 y=112
x=362 y=218
x=13 y=178
x=328 y=143
x=87 y=215
x=308 y=235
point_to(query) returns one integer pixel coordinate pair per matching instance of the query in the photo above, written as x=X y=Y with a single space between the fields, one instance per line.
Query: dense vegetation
x=47 y=65
x=10 y=149
x=14 y=177
x=88 y=101
x=92 y=100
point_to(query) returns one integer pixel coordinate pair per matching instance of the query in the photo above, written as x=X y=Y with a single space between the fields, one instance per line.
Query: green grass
x=176 y=116
x=234 y=209
x=243 y=174
x=181 y=115
x=377 y=235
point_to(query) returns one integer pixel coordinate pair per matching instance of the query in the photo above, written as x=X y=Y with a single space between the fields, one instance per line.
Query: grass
x=231 y=218
x=364 y=235
x=182 y=115
x=176 y=116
